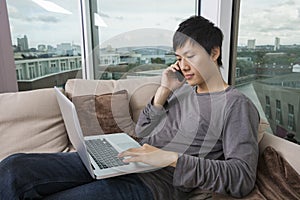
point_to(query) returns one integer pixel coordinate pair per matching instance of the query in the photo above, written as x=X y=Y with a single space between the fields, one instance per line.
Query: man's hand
x=169 y=83
x=150 y=155
x=169 y=79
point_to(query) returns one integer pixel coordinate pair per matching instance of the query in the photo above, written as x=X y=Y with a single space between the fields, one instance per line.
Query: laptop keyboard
x=104 y=154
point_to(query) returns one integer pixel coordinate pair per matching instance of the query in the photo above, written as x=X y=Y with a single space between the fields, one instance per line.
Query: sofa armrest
x=285 y=148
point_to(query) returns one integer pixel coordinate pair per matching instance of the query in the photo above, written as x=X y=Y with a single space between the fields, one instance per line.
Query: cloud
x=104 y=15
x=15 y=14
x=44 y=19
x=120 y=18
x=141 y=37
x=178 y=19
x=51 y=19
x=264 y=22
x=289 y=2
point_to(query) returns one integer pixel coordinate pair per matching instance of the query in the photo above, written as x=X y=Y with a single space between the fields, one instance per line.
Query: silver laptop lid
x=70 y=117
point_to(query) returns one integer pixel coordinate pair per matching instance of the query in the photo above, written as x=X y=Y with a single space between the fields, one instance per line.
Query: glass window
x=134 y=39
x=278 y=112
x=46 y=38
x=268 y=64
x=268 y=108
x=291 y=118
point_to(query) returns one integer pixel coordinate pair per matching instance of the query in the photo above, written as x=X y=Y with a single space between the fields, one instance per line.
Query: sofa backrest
x=31 y=121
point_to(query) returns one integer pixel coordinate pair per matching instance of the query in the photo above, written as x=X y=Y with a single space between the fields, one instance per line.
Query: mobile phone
x=179 y=75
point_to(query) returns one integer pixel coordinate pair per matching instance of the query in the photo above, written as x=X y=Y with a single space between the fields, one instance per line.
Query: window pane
x=46 y=40
x=135 y=38
x=268 y=64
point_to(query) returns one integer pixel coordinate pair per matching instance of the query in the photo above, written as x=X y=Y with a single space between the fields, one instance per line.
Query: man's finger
x=131 y=152
x=132 y=159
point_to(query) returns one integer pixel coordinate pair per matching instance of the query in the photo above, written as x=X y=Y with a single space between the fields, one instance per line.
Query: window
x=268 y=108
x=63 y=66
x=134 y=39
x=19 y=74
x=267 y=62
x=278 y=112
x=123 y=41
x=43 y=38
x=31 y=72
x=291 y=118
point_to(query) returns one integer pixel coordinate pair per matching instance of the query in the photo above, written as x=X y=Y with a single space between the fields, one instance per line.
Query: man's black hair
x=200 y=30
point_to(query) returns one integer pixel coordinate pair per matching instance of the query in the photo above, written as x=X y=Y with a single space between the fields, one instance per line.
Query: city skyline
x=277 y=18
x=251 y=44
x=41 y=44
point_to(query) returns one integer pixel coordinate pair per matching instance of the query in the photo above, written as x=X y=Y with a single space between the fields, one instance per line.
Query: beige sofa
x=31 y=121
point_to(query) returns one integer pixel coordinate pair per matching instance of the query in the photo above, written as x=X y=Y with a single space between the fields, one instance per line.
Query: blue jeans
x=62 y=176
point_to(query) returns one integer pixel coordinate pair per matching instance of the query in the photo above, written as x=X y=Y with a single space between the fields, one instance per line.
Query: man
x=202 y=134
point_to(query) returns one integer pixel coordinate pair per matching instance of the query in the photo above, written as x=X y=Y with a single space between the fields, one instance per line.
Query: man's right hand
x=169 y=79
x=169 y=83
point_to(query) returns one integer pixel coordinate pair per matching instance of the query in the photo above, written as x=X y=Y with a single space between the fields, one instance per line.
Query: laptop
x=98 y=152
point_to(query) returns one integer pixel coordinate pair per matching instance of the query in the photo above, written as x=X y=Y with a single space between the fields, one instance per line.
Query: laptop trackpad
x=127 y=145
x=122 y=141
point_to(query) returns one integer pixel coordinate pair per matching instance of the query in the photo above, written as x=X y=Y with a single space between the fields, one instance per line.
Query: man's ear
x=215 y=53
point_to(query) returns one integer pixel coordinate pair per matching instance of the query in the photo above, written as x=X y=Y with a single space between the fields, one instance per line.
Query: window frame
x=8 y=73
x=225 y=14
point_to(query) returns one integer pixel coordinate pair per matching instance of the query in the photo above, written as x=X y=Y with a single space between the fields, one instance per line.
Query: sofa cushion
x=140 y=90
x=104 y=114
x=31 y=122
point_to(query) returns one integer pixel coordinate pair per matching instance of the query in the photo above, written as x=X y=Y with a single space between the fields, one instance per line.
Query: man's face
x=195 y=63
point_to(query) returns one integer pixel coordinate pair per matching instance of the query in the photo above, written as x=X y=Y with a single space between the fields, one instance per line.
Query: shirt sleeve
x=236 y=174
x=149 y=118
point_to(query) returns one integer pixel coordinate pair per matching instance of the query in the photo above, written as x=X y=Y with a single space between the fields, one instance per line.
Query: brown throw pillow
x=104 y=114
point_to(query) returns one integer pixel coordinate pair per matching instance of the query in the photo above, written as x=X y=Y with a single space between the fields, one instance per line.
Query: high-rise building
x=23 y=43
x=277 y=44
x=251 y=44
x=64 y=48
x=42 y=47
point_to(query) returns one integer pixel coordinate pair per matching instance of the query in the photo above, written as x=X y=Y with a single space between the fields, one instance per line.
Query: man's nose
x=184 y=64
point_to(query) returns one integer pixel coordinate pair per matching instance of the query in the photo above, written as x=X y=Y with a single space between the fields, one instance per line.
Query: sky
x=263 y=20
x=130 y=18
x=130 y=22
x=41 y=26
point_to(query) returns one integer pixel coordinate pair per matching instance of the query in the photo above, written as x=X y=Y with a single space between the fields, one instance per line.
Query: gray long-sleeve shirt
x=215 y=135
